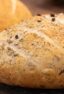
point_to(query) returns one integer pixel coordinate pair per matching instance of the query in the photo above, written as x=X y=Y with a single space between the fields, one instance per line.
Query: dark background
x=45 y=6
x=36 y=7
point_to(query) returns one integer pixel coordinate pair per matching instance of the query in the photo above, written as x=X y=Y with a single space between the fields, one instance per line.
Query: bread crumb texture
x=32 y=53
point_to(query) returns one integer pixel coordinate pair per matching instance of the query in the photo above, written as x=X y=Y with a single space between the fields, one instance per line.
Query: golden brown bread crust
x=12 y=12
x=32 y=53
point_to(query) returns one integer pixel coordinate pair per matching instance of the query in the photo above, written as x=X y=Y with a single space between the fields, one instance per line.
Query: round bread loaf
x=11 y=12
x=32 y=53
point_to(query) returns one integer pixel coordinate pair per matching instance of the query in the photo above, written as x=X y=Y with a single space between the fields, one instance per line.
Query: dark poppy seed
x=16 y=37
x=38 y=20
x=53 y=19
x=52 y=15
x=38 y=14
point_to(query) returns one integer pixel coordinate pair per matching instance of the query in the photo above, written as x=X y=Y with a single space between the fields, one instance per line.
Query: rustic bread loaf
x=32 y=53
x=11 y=12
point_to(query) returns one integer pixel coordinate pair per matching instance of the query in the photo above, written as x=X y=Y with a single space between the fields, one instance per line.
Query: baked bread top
x=33 y=49
x=12 y=12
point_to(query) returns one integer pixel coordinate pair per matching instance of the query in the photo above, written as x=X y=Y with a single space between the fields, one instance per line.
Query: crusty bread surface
x=12 y=12
x=32 y=53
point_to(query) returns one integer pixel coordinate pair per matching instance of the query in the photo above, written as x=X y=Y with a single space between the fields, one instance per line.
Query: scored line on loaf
x=21 y=52
x=41 y=35
x=15 y=49
x=46 y=37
